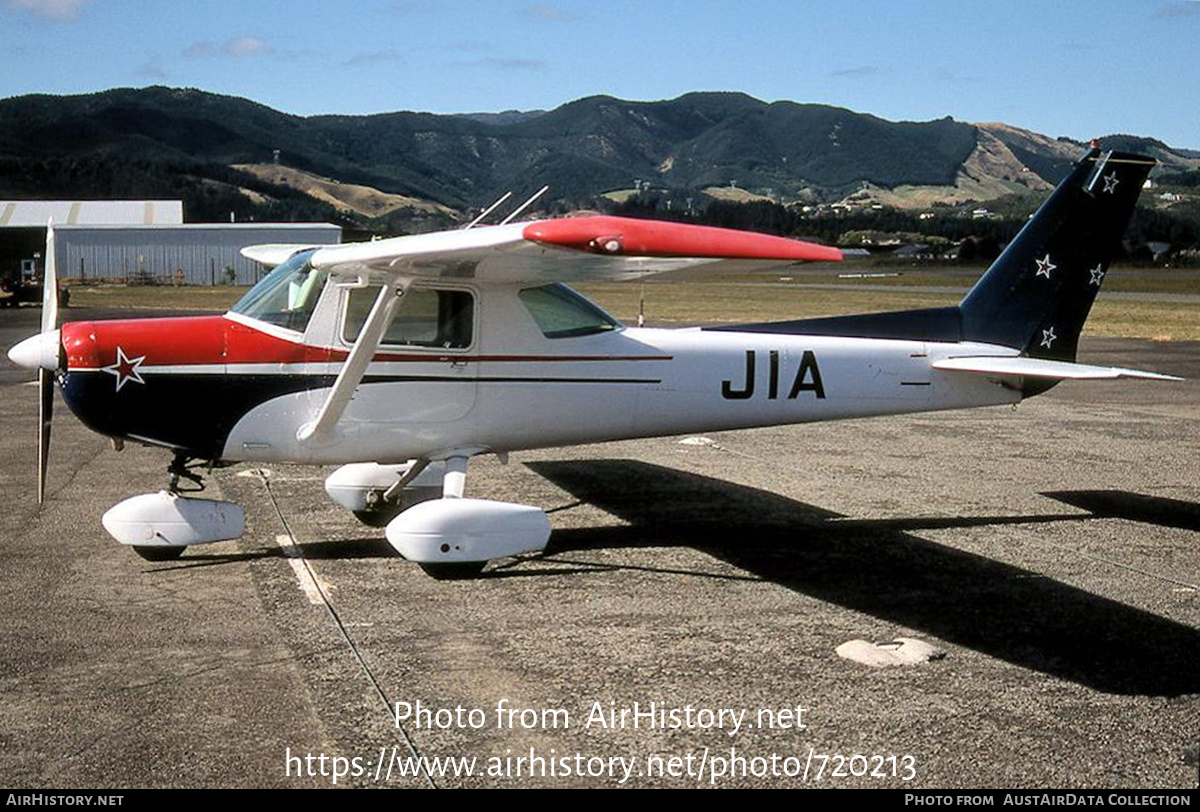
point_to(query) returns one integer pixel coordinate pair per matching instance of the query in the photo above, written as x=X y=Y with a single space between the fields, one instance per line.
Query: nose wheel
x=182 y=478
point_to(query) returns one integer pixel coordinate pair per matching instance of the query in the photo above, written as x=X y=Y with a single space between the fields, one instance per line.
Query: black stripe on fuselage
x=191 y=412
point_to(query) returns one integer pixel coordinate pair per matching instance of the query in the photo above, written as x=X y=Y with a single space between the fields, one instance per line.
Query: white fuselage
x=513 y=388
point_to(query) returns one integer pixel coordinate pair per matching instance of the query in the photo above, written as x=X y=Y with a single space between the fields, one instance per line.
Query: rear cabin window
x=562 y=313
x=424 y=317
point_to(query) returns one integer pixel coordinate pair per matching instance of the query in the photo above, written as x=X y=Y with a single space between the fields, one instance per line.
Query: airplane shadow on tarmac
x=1134 y=506
x=877 y=567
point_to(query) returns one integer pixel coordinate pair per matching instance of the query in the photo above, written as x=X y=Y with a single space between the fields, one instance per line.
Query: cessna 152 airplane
x=402 y=359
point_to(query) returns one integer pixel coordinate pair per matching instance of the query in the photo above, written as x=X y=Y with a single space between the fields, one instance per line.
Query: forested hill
x=216 y=152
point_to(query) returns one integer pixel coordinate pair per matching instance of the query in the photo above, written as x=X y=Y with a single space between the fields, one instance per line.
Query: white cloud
x=201 y=50
x=515 y=63
x=152 y=70
x=944 y=75
x=60 y=10
x=862 y=70
x=246 y=46
x=548 y=14
x=236 y=48
x=1184 y=8
x=375 y=57
x=505 y=63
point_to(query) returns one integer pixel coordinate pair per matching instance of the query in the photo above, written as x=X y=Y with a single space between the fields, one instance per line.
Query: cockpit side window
x=287 y=296
x=425 y=318
x=562 y=313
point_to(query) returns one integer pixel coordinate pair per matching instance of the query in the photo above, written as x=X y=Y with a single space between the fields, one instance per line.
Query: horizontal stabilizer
x=1043 y=368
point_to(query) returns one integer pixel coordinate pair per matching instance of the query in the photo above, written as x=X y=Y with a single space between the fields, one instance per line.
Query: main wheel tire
x=159 y=553
x=456 y=571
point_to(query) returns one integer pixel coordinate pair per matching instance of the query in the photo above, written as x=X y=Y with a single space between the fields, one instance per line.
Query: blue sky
x=1072 y=68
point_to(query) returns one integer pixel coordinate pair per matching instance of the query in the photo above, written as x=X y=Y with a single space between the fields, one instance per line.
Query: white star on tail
x=1097 y=275
x=1048 y=337
x=1045 y=266
x=1110 y=183
x=126 y=369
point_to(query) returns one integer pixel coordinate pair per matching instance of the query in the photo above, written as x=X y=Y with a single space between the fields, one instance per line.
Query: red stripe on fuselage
x=209 y=340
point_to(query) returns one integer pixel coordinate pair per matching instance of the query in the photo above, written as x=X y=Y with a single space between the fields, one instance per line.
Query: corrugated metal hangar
x=136 y=241
x=196 y=254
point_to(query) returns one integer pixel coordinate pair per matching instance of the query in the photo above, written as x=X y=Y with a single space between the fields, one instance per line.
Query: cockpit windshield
x=287 y=296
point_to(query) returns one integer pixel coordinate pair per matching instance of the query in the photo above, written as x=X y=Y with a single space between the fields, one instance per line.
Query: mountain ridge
x=150 y=141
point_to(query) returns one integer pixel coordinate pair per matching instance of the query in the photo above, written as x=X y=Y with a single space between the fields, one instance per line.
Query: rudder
x=1036 y=296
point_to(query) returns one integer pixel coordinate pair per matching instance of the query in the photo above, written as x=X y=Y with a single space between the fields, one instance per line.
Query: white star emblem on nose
x=1048 y=337
x=1097 y=275
x=1045 y=266
x=1110 y=183
x=126 y=369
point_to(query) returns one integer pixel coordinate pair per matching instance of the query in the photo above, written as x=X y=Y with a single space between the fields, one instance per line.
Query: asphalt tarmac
x=1050 y=551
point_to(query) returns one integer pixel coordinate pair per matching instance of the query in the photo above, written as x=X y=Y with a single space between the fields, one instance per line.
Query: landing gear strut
x=180 y=469
x=376 y=494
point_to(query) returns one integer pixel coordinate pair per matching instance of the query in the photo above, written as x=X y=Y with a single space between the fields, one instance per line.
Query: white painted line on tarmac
x=294 y=557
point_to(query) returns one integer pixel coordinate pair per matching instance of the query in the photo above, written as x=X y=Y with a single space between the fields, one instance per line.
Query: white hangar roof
x=36 y=213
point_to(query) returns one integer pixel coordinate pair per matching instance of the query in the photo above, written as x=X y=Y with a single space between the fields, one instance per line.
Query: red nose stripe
x=191 y=341
x=165 y=341
x=622 y=236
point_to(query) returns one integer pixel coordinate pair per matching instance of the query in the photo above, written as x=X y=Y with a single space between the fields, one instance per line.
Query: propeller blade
x=45 y=413
x=50 y=284
x=46 y=376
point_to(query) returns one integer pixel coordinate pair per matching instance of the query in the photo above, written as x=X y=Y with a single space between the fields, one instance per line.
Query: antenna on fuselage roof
x=487 y=211
x=524 y=205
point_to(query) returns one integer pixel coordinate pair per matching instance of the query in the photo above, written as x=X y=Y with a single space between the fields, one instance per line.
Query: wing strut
x=320 y=430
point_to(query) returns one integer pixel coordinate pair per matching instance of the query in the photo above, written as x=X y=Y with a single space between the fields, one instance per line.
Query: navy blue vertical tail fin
x=1036 y=296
